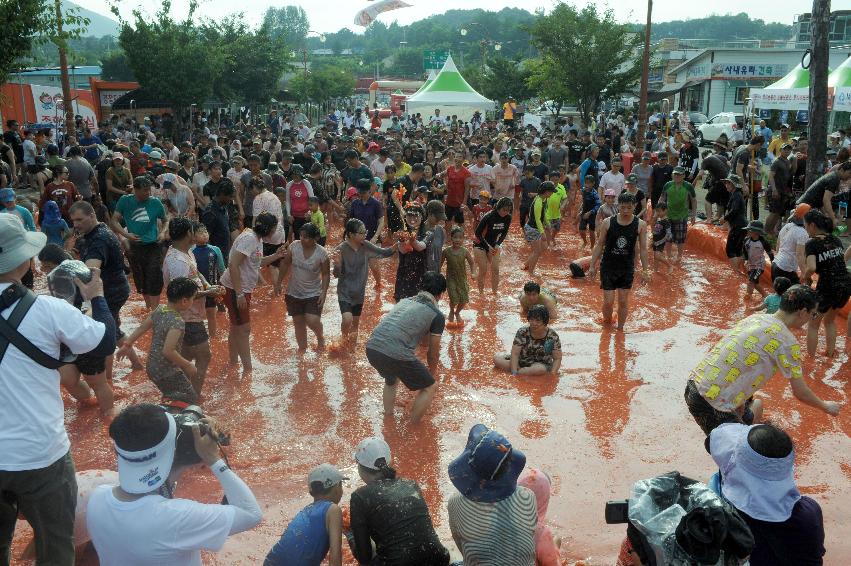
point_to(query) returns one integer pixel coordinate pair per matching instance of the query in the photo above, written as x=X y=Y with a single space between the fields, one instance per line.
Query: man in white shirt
x=437 y=119
x=380 y=163
x=36 y=469
x=613 y=179
x=137 y=523
x=482 y=175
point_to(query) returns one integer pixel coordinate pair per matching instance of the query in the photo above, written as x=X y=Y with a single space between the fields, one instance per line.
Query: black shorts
x=718 y=194
x=707 y=416
x=297 y=224
x=356 y=310
x=735 y=240
x=754 y=275
x=194 y=333
x=269 y=249
x=146 y=264
x=248 y=221
x=301 y=307
x=612 y=279
x=790 y=275
x=414 y=374
x=589 y=223
x=90 y=365
x=454 y=214
x=832 y=298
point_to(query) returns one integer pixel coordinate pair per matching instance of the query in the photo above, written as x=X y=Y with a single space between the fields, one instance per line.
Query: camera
x=187 y=419
x=617 y=512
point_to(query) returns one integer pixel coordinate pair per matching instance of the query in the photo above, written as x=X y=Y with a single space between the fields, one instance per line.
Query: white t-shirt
x=249 y=245
x=614 y=181
x=482 y=177
x=181 y=264
x=377 y=167
x=30 y=152
x=153 y=530
x=791 y=236
x=200 y=179
x=32 y=426
x=267 y=201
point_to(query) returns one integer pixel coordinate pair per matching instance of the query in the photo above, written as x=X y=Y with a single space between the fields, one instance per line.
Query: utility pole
x=819 y=54
x=63 y=70
x=645 y=77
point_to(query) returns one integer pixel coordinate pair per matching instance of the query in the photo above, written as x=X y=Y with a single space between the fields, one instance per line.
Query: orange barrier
x=712 y=240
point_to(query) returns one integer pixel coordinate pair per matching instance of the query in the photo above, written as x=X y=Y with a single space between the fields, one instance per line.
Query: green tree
x=588 y=52
x=540 y=81
x=407 y=62
x=114 y=67
x=503 y=78
x=322 y=84
x=21 y=20
x=287 y=23
x=171 y=58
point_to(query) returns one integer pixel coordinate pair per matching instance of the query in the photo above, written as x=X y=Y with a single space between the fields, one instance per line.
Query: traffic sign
x=434 y=60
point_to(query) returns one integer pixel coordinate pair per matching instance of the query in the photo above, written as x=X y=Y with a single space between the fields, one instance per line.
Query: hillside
x=99 y=25
x=722 y=28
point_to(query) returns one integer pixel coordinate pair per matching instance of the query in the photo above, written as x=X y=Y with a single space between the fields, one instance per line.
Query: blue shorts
x=532 y=234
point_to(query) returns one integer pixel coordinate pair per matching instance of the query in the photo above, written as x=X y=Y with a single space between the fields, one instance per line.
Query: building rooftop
x=81 y=69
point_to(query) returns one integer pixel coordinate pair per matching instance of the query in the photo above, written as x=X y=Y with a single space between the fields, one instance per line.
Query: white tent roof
x=430 y=79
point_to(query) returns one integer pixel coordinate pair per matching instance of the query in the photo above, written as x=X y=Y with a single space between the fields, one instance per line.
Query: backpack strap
x=9 y=328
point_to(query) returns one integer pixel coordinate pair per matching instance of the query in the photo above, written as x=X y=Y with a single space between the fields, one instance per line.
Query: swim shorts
x=754 y=275
x=236 y=315
x=301 y=307
x=454 y=214
x=679 y=229
x=831 y=298
x=532 y=234
x=707 y=416
x=414 y=374
x=611 y=280
x=588 y=223
x=356 y=310
x=735 y=239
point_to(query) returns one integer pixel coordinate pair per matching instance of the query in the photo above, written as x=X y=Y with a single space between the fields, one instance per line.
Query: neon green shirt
x=554 y=203
x=318 y=220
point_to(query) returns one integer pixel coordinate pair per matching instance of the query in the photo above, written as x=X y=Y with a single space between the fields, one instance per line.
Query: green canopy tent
x=792 y=92
x=449 y=93
x=840 y=81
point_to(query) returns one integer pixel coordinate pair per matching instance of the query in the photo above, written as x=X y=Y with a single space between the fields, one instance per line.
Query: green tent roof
x=841 y=77
x=448 y=80
x=798 y=77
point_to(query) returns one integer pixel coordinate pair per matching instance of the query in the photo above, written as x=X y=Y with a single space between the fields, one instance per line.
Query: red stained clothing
x=455 y=189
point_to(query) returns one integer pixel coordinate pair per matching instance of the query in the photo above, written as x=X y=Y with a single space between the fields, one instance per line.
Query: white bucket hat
x=16 y=244
x=762 y=487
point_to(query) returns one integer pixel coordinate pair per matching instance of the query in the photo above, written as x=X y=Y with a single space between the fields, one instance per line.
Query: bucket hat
x=488 y=468
x=16 y=244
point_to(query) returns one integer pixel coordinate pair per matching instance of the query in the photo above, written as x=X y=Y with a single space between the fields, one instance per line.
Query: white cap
x=146 y=470
x=370 y=450
x=326 y=474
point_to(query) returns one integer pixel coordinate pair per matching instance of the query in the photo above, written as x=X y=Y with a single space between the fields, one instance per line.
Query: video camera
x=186 y=419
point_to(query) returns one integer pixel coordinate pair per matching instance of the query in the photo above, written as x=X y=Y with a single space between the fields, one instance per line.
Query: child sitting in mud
x=317 y=530
x=533 y=294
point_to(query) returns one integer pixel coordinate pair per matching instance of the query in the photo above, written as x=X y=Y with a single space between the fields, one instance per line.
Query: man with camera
x=36 y=470
x=138 y=522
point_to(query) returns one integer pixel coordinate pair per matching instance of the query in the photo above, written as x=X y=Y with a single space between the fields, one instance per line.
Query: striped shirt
x=494 y=534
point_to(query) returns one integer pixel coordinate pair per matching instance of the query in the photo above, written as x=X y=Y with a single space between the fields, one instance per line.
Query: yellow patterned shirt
x=753 y=351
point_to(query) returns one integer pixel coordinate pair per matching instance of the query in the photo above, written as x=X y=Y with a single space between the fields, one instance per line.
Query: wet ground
x=615 y=413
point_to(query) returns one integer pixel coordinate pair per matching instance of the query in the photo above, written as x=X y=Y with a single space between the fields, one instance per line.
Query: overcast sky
x=331 y=15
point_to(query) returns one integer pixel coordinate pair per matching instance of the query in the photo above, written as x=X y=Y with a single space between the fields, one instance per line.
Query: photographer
x=36 y=470
x=137 y=521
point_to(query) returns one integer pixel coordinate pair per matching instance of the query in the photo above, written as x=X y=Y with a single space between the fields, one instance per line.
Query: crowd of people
x=210 y=218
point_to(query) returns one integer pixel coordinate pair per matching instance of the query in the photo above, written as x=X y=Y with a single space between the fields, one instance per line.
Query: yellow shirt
x=508 y=111
x=743 y=360
x=775 y=144
x=318 y=220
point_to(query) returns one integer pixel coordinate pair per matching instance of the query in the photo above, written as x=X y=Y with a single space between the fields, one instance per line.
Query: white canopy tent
x=792 y=92
x=449 y=93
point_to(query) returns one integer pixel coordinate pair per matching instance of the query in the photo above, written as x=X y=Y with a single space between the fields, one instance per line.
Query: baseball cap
x=155 y=155
x=377 y=181
x=7 y=195
x=170 y=164
x=679 y=171
x=309 y=148
x=117 y=155
x=141 y=471
x=325 y=475
x=371 y=451
x=633 y=178
x=646 y=155
x=787 y=146
x=610 y=193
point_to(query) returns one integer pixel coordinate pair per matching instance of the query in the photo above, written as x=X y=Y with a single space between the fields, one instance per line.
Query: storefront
x=718 y=80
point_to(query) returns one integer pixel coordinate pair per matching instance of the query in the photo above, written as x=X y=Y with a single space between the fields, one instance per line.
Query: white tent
x=792 y=92
x=430 y=79
x=450 y=93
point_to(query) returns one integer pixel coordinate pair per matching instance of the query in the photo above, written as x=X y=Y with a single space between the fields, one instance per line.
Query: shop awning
x=669 y=89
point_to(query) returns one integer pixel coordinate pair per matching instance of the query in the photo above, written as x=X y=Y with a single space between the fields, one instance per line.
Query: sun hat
x=687 y=135
x=326 y=475
x=610 y=193
x=735 y=180
x=371 y=451
x=756 y=226
x=16 y=244
x=145 y=470
x=762 y=487
x=273 y=167
x=487 y=469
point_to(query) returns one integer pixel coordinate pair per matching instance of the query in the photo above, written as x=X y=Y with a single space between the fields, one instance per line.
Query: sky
x=332 y=15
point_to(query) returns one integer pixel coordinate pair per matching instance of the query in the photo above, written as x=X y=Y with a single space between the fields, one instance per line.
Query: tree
x=588 y=52
x=253 y=61
x=406 y=62
x=322 y=84
x=114 y=67
x=21 y=20
x=288 y=23
x=503 y=78
x=171 y=58
x=540 y=81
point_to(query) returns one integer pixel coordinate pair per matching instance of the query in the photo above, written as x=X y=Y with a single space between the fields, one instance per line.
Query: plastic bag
x=60 y=280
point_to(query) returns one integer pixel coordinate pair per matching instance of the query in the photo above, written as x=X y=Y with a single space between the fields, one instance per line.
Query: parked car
x=723 y=123
x=697 y=118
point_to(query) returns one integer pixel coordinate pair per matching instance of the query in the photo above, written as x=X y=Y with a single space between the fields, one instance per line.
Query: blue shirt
x=55 y=231
x=142 y=218
x=766 y=133
x=24 y=214
x=369 y=212
x=92 y=153
x=305 y=542
x=210 y=262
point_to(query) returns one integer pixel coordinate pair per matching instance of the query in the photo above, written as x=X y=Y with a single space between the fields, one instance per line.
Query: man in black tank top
x=620 y=236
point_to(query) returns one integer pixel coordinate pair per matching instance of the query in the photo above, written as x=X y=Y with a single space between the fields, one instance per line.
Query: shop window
x=741 y=94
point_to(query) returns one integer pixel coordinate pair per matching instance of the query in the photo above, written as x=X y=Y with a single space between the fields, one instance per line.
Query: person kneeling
x=536 y=349
x=137 y=521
